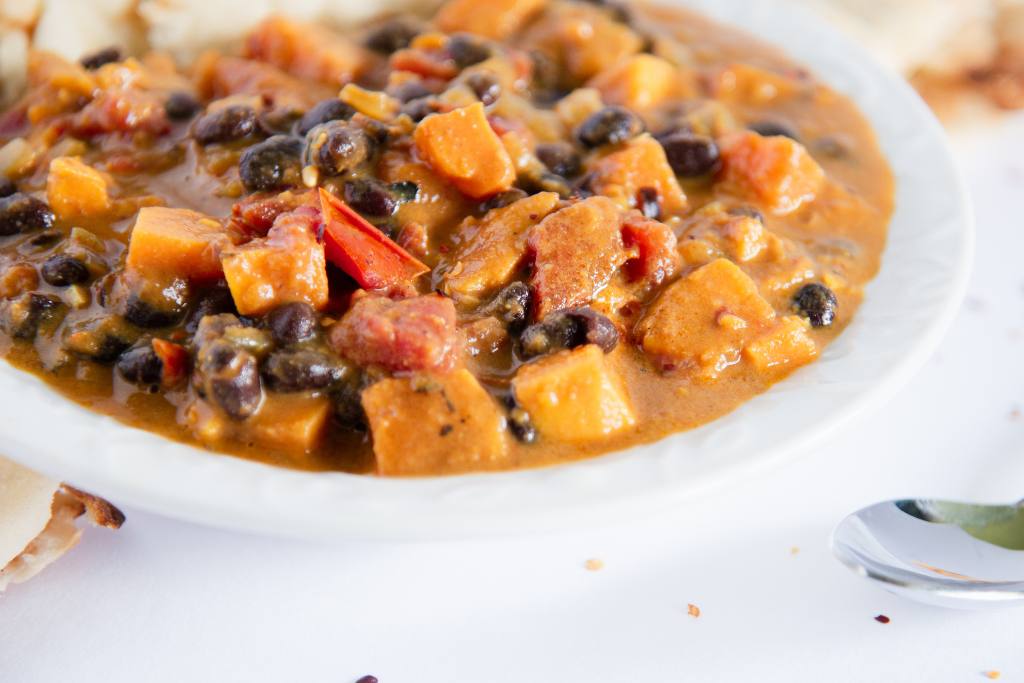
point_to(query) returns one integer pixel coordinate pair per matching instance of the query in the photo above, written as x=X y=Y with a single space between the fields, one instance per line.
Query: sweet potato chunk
x=293 y=423
x=490 y=249
x=75 y=190
x=586 y=39
x=305 y=50
x=742 y=238
x=433 y=424
x=219 y=76
x=410 y=334
x=496 y=19
x=176 y=242
x=462 y=147
x=640 y=164
x=702 y=322
x=575 y=252
x=788 y=345
x=288 y=265
x=638 y=82
x=775 y=170
x=574 y=396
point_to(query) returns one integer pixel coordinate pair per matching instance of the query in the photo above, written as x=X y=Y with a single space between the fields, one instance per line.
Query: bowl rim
x=143 y=470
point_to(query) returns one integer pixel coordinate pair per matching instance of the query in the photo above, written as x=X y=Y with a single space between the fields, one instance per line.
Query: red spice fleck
x=882 y=619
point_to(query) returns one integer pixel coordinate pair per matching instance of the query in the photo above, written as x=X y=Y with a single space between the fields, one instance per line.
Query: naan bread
x=37 y=521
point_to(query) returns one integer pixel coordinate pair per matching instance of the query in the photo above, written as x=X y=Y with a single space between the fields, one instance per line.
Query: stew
x=517 y=233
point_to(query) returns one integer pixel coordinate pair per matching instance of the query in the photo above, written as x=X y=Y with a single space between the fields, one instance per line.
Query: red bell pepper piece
x=174 y=359
x=363 y=251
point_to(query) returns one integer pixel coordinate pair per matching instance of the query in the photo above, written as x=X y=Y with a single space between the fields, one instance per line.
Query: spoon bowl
x=938 y=552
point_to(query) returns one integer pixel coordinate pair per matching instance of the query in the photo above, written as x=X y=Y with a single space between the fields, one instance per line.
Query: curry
x=514 y=234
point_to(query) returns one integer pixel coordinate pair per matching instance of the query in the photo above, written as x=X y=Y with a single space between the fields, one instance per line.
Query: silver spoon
x=938 y=552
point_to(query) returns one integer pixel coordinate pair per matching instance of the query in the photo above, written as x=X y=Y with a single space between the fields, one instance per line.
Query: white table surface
x=167 y=601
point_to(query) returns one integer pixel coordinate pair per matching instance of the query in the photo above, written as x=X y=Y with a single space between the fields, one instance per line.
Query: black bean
x=63 y=270
x=583 y=187
x=225 y=125
x=278 y=121
x=292 y=323
x=546 y=182
x=236 y=386
x=546 y=76
x=271 y=164
x=370 y=197
x=20 y=213
x=228 y=376
x=22 y=316
x=485 y=86
x=511 y=305
x=367 y=679
x=348 y=407
x=157 y=304
x=503 y=199
x=302 y=370
x=107 y=55
x=101 y=340
x=466 y=50
x=649 y=202
x=774 y=129
x=818 y=303
x=404 y=191
x=181 y=106
x=609 y=126
x=596 y=328
x=746 y=210
x=322 y=112
x=391 y=36
x=7 y=187
x=618 y=11
x=45 y=240
x=141 y=365
x=215 y=300
x=832 y=147
x=336 y=147
x=410 y=90
x=567 y=330
x=520 y=423
x=421 y=107
x=691 y=156
x=561 y=158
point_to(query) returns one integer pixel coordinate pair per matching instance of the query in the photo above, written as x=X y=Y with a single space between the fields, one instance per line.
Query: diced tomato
x=122 y=111
x=363 y=251
x=256 y=213
x=174 y=359
x=13 y=121
x=426 y=64
x=411 y=334
x=657 y=258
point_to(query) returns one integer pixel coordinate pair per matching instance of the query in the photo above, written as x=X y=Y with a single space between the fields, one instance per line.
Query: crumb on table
x=693 y=610
x=594 y=564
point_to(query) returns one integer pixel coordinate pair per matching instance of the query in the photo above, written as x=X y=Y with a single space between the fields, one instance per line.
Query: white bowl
x=906 y=310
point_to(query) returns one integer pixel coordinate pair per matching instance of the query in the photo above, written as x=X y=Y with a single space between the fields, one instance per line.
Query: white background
x=165 y=601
